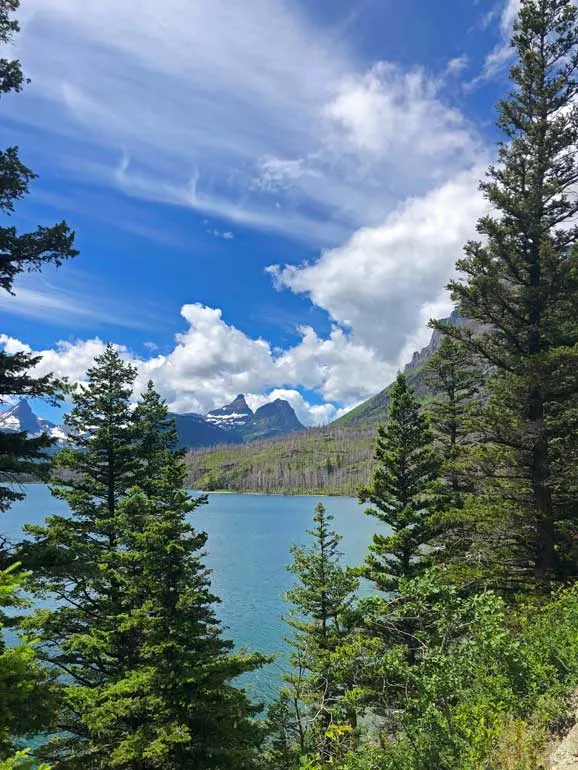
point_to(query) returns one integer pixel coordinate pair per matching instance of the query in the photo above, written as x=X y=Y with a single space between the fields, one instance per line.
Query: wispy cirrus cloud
x=245 y=111
x=502 y=53
x=39 y=299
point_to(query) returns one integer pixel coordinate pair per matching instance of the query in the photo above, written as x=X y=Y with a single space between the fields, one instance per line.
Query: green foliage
x=26 y=694
x=314 y=712
x=483 y=688
x=404 y=491
x=22 y=760
x=519 y=283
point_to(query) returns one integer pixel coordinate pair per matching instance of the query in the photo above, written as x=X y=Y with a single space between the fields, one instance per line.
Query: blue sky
x=269 y=196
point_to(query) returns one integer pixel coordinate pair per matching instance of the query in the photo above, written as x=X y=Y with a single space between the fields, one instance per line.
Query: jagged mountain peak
x=231 y=416
x=21 y=418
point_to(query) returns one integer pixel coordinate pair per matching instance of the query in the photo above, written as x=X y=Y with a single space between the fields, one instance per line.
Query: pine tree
x=321 y=603
x=520 y=284
x=157 y=441
x=21 y=253
x=456 y=383
x=73 y=556
x=149 y=674
x=404 y=490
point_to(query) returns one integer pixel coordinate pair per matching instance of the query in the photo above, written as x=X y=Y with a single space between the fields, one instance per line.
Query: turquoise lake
x=248 y=551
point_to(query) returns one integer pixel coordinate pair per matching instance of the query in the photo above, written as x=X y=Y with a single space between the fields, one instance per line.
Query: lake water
x=248 y=551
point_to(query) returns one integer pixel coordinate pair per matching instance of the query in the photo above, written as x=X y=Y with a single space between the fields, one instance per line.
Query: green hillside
x=333 y=460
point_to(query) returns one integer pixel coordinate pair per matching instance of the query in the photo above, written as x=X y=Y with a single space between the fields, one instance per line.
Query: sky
x=269 y=196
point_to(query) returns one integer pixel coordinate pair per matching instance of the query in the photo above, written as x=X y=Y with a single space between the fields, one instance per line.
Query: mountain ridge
x=234 y=423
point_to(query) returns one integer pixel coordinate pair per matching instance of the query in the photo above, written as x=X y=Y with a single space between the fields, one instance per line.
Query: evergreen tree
x=149 y=674
x=26 y=693
x=520 y=284
x=455 y=382
x=157 y=442
x=71 y=554
x=21 y=253
x=321 y=602
x=404 y=490
x=176 y=706
x=101 y=464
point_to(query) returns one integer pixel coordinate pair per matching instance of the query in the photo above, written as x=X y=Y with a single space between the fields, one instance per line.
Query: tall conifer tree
x=520 y=283
x=321 y=603
x=149 y=676
x=404 y=490
x=21 y=252
x=75 y=556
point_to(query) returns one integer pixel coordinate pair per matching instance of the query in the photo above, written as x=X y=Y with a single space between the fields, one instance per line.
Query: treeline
x=328 y=460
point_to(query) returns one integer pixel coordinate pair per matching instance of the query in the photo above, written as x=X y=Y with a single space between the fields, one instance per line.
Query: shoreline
x=270 y=494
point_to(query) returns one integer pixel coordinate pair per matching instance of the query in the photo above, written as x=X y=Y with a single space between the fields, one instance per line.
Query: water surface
x=248 y=551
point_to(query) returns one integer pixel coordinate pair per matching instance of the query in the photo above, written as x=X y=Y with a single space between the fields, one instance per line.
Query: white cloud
x=212 y=361
x=381 y=282
x=245 y=111
x=226 y=235
x=503 y=52
x=457 y=65
x=385 y=111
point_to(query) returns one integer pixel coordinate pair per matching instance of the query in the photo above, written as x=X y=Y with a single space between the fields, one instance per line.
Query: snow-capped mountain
x=233 y=416
x=21 y=418
x=232 y=424
x=236 y=423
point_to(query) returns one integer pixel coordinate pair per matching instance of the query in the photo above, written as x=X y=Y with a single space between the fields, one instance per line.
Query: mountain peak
x=232 y=416
x=275 y=418
x=20 y=418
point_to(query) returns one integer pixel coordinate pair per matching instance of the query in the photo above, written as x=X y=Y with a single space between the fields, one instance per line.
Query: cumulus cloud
x=384 y=112
x=379 y=284
x=212 y=361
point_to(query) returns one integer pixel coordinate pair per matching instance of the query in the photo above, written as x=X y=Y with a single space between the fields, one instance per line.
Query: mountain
x=276 y=418
x=236 y=423
x=233 y=416
x=21 y=418
x=371 y=412
x=195 y=431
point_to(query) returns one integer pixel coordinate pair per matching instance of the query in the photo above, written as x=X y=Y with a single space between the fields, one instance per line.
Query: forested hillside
x=332 y=460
